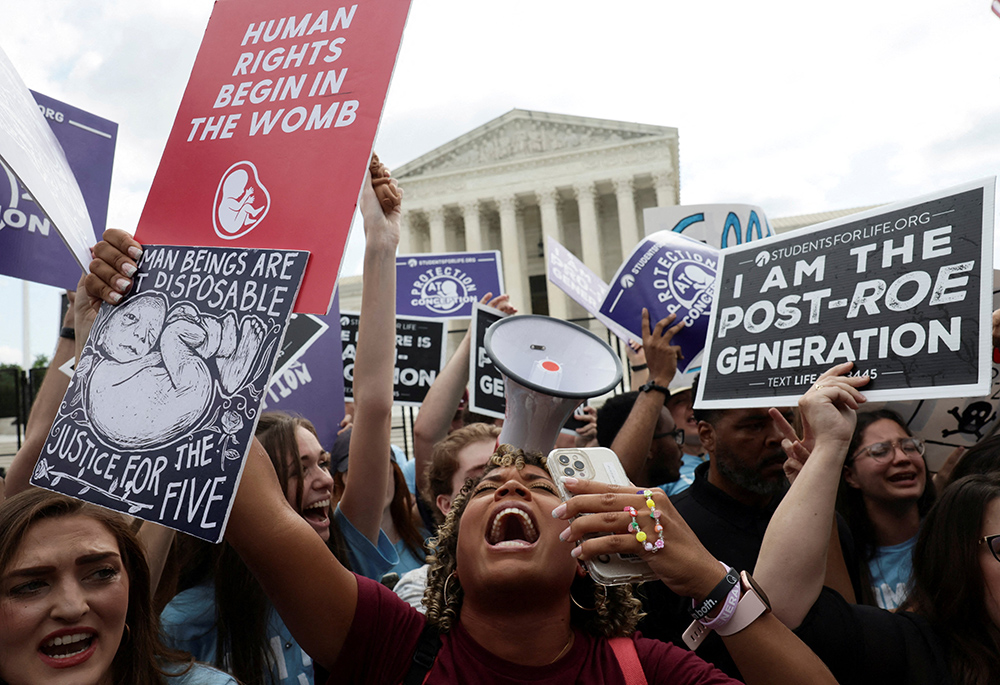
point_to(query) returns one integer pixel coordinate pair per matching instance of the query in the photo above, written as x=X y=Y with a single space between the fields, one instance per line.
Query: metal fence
x=17 y=393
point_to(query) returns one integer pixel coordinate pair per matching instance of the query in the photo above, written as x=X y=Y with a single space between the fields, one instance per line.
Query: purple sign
x=575 y=278
x=309 y=379
x=30 y=246
x=446 y=285
x=667 y=274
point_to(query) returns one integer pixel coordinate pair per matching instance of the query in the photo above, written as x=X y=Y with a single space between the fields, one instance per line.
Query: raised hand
x=683 y=563
x=500 y=302
x=111 y=271
x=829 y=408
x=661 y=355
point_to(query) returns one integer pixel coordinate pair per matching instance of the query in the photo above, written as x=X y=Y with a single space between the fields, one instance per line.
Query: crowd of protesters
x=335 y=569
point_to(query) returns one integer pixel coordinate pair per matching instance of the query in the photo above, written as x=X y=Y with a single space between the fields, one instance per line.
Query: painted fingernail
x=576 y=552
x=114 y=297
x=135 y=253
x=122 y=284
x=559 y=511
x=570 y=480
x=128 y=269
x=564 y=536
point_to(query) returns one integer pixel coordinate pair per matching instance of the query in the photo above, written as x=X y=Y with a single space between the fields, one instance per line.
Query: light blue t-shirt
x=890 y=570
x=409 y=469
x=201 y=674
x=689 y=462
x=188 y=623
x=374 y=561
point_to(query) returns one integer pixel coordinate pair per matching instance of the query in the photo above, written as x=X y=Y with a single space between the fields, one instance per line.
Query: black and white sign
x=420 y=355
x=486 y=387
x=303 y=330
x=164 y=403
x=903 y=291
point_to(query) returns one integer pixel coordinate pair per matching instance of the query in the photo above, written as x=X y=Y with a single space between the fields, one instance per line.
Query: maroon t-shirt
x=384 y=634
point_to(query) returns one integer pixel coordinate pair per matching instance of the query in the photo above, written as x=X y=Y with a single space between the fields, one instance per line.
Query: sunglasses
x=880 y=451
x=678 y=434
x=993 y=542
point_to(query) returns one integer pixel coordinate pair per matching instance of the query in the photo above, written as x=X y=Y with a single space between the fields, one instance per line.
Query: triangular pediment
x=521 y=134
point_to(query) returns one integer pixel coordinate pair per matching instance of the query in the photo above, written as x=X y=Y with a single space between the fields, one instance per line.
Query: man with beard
x=728 y=506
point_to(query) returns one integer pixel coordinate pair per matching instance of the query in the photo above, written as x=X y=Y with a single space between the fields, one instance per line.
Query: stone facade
x=526 y=175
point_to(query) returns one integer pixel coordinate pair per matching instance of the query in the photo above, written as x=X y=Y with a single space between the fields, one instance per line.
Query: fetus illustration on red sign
x=241 y=201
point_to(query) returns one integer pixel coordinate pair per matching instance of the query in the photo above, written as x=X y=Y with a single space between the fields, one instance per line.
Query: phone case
x=600 y=464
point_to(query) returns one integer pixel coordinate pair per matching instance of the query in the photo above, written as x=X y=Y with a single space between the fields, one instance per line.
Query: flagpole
x=25 y=328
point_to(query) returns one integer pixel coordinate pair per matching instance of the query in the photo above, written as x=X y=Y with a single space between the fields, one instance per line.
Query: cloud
x=10 y=355
x=796 y=107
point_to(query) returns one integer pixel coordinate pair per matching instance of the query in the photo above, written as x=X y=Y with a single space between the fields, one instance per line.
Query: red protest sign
x=272 y=139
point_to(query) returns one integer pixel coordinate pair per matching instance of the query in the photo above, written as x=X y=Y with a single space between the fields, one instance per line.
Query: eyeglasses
x=880 y=451
x=993 y=542
x=678 y=434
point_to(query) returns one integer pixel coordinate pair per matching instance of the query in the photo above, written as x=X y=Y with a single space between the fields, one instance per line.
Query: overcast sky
x=797 y=107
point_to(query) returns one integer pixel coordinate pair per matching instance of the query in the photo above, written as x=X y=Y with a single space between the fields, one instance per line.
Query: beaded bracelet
x=654 y=514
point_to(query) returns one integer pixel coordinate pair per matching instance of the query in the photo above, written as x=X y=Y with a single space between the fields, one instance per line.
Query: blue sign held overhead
x=30 y=247
x=666 y=274
x=446 y=285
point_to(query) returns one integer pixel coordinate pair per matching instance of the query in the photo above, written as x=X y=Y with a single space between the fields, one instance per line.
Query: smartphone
x=600 y=464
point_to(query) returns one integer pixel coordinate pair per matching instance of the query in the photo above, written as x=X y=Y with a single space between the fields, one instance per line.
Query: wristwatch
x=752 y=605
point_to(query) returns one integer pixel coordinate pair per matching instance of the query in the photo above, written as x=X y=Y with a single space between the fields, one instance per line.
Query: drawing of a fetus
x=152 y=382
x=449 y=293
x=690 y=283
x=236 y=208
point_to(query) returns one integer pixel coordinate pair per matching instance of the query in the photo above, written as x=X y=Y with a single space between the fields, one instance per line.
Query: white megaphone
x=550 y=367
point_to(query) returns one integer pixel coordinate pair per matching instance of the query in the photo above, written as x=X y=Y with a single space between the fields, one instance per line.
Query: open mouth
x=317 y=512
x=68 y=650
x=512 y=527
x=908 y=477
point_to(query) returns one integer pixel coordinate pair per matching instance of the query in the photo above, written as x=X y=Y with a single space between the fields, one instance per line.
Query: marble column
x=666 y=194
x=514 y=268
x=435 y=217
x=473 y=228
x=548 y=205
x=589 y=237
x=628 y=227
x=406 y=225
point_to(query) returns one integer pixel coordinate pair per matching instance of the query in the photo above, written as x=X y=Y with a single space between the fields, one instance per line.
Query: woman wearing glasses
x=884 y=495
x=948 y=632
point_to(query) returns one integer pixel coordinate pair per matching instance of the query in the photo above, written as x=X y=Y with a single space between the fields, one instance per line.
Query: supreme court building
x=526 y=175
